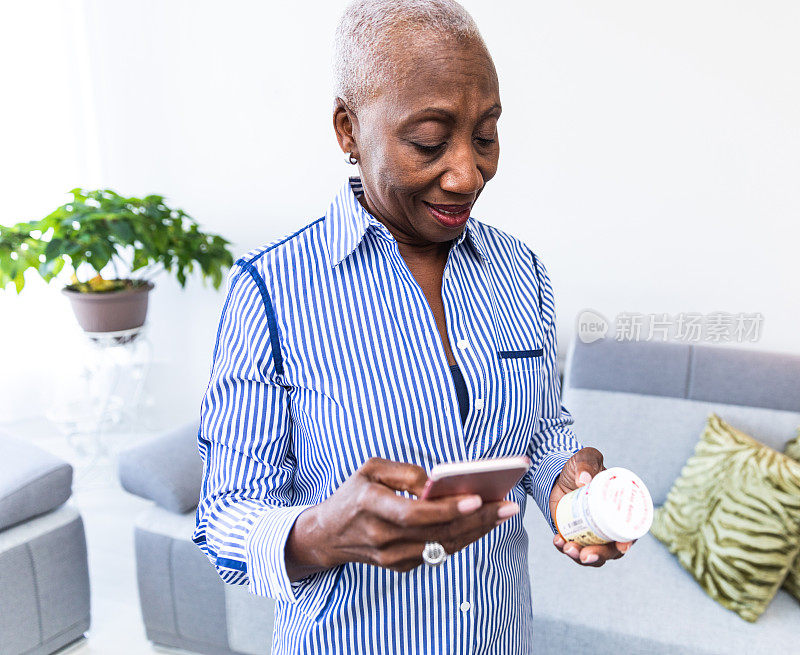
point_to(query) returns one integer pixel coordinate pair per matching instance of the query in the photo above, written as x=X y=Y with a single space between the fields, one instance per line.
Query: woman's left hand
x=578 y=471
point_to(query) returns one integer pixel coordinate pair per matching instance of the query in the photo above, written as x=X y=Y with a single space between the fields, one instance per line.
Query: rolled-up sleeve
x=246 y=508
x=553 y=442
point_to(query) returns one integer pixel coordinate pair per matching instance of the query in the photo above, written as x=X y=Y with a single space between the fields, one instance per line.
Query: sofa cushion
x=733 y=518
x=654 y=435
x=32 y=481
x=628 y=366
x=44 y=583
x=745 y=377
x=709 y=373
x=642 y=604
x=173 y=573
x=166 y=469
x=792 y=582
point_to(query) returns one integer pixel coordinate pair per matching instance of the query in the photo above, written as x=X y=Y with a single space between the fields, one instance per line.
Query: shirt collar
x=346 y=223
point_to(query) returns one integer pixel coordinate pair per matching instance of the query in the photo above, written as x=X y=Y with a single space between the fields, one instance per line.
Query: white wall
x=650 y=152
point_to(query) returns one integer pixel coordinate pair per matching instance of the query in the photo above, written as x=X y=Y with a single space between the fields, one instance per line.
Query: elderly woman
x=391 y=334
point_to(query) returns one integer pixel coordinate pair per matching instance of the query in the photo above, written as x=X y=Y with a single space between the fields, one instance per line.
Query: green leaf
x=54 y=248
x=140 y=260
x=123 y=231
x=59 y=266
x=216 y=277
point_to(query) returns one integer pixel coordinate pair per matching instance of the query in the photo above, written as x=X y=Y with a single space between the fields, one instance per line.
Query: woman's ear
x=345 y=125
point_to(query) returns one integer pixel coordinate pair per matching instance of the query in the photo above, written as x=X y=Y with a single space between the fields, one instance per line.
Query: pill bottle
x=614 y=506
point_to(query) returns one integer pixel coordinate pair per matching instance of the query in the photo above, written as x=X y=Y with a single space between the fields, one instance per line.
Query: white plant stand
x=106 y=402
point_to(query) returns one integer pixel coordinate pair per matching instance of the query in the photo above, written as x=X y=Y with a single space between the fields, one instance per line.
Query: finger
x=401 y=557
x=463 y=529
x=382 y=502
x=623 y=546
x=588 y=463
x=409 y=513
x=395 y=475
x=558 y=541
x=406 y=554
x=603 y=552
x=479 y=522
x=467 y=534
x=573 y=549
x=591 y=559
x=556 y=494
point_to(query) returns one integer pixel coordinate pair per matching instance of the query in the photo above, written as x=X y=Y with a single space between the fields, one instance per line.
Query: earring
x=352 y=160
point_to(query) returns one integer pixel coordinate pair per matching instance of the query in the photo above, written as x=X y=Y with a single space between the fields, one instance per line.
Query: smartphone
x=491 y=479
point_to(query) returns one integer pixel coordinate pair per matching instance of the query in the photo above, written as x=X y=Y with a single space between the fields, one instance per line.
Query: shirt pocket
x=523 y=378
x=519 y=360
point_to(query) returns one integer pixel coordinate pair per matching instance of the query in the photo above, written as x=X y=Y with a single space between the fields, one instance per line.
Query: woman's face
x=427 y=144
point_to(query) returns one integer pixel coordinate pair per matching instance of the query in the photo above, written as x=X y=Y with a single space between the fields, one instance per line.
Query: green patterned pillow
x=792 y=584
x=733 y=518
x=793 y=447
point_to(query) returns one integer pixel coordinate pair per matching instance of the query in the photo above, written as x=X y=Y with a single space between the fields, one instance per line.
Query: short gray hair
x=367 y=27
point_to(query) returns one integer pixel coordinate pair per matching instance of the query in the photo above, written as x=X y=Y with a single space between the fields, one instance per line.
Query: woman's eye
x=428 y=149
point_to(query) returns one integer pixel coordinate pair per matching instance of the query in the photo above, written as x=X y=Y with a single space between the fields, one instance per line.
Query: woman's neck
x=414 y=253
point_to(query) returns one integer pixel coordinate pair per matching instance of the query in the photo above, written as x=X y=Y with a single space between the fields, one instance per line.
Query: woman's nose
x=462 y=175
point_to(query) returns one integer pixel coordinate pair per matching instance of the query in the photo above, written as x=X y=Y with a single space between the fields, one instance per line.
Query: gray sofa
x=44 y=574
x=184 y=603
x=642 y=404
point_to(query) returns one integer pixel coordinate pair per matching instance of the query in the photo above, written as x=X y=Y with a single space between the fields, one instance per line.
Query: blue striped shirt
x=327 y=354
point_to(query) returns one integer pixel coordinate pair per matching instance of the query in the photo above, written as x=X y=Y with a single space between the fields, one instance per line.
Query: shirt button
x=462 y=343
x=447 y=275
x=479 y=403
x=465 y=606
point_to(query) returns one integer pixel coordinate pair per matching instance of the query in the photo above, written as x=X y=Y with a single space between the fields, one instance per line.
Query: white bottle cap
x=620 y=504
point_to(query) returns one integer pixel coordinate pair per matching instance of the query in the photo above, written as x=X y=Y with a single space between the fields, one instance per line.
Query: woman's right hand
x=365 y=520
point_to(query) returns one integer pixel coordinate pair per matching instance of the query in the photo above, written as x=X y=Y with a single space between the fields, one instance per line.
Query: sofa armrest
x=32 y=481
x=166 y=469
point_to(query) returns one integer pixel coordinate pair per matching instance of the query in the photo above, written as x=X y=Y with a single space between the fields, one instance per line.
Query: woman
x=391 y=334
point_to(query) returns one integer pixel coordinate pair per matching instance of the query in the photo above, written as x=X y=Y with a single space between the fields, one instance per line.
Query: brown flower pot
x=110 y=311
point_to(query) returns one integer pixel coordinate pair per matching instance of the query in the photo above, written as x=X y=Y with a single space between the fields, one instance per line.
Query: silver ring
x=434 y=553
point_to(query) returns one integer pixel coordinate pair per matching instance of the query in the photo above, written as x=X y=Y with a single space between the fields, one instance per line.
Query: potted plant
x=97 y=228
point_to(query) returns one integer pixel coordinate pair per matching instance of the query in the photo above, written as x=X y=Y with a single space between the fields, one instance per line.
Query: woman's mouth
x=449 y=215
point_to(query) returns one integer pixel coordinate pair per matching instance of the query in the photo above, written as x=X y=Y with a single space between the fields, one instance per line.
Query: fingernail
x=507 y=510
x=466 y=505
x=571 y=551
x=590 y=558
x=584 y=478
x=559 y=541
x=623 y=547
